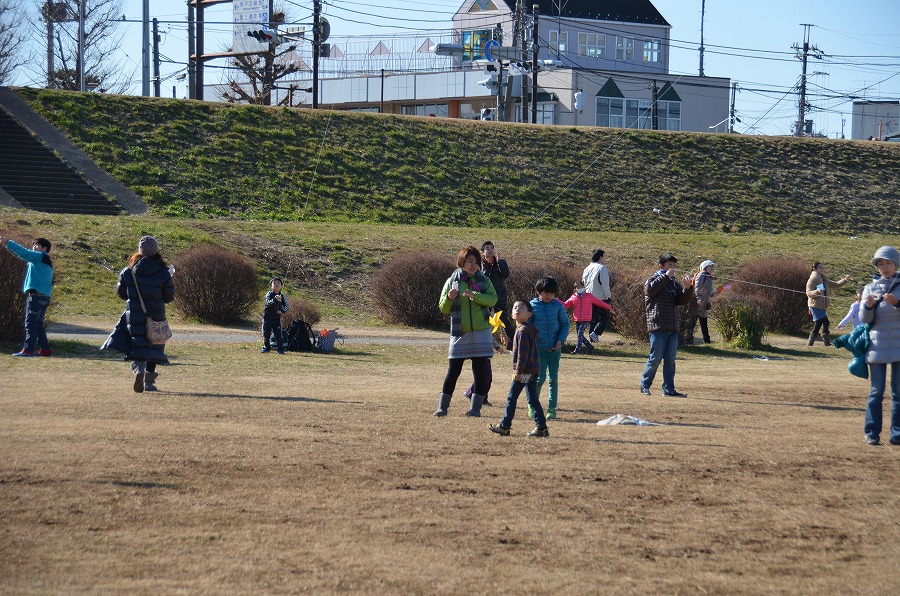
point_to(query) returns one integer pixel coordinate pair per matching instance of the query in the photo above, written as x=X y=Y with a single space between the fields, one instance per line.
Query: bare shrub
x=523 y=275
x=407 y=288
x=300 y=308
x=215 y=284
x=629 y=315
x=767 y=281
x=12 y=300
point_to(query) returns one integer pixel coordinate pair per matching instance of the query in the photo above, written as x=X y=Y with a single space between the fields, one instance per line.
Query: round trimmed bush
x=407 y=288
x=216 y=285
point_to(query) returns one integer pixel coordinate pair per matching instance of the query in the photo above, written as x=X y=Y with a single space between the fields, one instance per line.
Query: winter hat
x=148 y=246
x=889 y=253
x=705 y=264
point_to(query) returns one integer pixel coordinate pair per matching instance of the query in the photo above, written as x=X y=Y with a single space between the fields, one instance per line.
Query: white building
x=615 y=52
x=875 y=119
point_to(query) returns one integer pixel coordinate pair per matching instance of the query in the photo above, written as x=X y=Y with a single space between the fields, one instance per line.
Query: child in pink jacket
x=581 y=304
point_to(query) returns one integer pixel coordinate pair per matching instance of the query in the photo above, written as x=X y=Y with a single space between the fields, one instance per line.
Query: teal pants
x=549 y=360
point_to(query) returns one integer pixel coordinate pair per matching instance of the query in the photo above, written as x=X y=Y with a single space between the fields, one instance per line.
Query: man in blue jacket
x=37 y=284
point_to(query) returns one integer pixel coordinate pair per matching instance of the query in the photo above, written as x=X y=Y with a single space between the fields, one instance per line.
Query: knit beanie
x=888 y=253
x=705 y=264
x=148 y=246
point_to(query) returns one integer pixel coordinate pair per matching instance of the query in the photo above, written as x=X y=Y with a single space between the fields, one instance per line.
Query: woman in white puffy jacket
x=881 y=308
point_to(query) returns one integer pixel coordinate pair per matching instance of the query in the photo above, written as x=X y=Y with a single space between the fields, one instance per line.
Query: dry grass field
x=328 y=473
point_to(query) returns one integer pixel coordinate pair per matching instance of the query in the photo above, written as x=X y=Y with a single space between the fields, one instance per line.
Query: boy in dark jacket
x=276 y=305
x=526 y=365
x=38 y=284
x=662 y=296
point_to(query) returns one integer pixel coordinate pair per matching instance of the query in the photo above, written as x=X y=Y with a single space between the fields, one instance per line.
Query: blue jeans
x=549 y=360
x=663 y=347
x=878 y=375
x=531 y=392
x=35 y=310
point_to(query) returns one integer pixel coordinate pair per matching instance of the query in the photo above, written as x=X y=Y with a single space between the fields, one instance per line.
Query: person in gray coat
x=148 y=271
x=881 y=309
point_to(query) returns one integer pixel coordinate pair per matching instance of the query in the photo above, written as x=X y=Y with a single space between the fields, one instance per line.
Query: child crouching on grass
x=526 y=365
x=582 y=304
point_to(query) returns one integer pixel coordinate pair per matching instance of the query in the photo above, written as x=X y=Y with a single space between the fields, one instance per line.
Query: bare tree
x=12 y=39
x=255 y=76
x=101 y=40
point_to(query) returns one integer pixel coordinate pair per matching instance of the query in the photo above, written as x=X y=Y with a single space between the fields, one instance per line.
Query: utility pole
x=803 y=54
x=702 y=18
x=145 y=50
x=731 y=114
x=501 y=108
x=535 y=9
x=508 y=102
x=317 y=12
x=156 y=81
x=654 y=106
x=81 y=17
x=192 y=64
x=50 y=16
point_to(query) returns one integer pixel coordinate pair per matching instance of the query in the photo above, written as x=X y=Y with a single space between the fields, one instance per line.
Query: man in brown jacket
x=662 y=296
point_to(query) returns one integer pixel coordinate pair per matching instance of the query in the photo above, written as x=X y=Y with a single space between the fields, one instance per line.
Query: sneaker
x=281 y=352
x=265 y=351
x=468 y=394
x=530 y=412
x=439 y=412
x=674 y=394
x=25 y=354
x=486 y=403
x=895 y=441
x=574 y=352
x=594 y=337
x=872 y=440
x=539 y=432
x=645 y=391
x=43 y=352
x=500 y=430
x=551 y=413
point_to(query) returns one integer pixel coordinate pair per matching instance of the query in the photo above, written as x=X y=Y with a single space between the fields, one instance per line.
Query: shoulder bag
x=158 y=332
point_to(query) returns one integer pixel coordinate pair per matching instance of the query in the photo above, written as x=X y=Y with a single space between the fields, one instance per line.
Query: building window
x=669 y=114
x=611 y=112
x=546 y=111
x=473 y=44
x=638 y=114
x=592 y=45
x=559 y=41
x=651 y=50
x=625 y=48
x=439 y=110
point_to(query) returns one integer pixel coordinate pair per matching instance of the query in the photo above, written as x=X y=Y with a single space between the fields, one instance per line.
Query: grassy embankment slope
x=194 y=159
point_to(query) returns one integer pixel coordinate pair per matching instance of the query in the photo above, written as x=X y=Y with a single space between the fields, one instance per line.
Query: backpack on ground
x=299 y=337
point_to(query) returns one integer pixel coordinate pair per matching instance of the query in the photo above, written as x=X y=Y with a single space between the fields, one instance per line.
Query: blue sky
x=748 y=42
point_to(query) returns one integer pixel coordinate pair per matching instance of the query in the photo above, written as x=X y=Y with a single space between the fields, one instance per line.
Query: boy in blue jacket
x=37 y=284
x=552 y=322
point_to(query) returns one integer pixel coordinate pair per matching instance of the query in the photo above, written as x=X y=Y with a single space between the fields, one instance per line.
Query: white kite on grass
x=625 y=419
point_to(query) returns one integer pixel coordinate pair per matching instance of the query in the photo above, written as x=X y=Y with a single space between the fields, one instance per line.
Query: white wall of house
x=875 y=119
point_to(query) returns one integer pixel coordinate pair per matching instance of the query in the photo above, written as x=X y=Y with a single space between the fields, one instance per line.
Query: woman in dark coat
x=154 y=279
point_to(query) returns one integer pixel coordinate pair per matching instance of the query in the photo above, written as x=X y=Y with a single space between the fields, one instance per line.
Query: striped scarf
x=476 y=283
